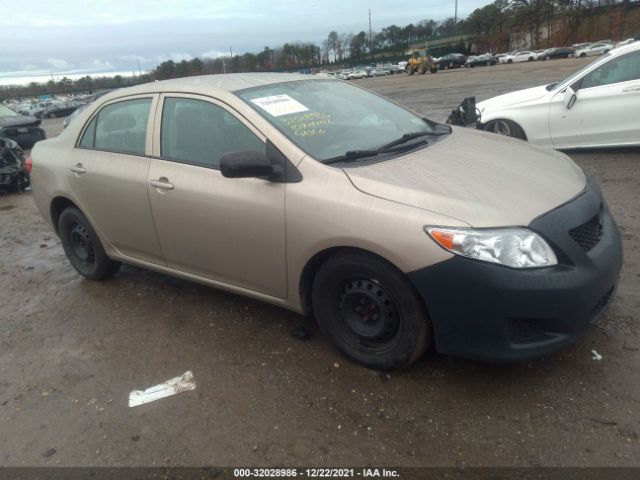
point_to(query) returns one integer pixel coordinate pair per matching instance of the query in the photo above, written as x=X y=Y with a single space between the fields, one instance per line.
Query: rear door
x=107 y=173
x=226 y=230
x=606 y=108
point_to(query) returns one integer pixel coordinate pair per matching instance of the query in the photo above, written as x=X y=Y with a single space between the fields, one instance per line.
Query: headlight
x=513 y=247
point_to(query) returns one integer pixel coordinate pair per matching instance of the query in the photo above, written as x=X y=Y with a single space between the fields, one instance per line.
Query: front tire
x=83 y=247
x=507 y=128
x=370 y=311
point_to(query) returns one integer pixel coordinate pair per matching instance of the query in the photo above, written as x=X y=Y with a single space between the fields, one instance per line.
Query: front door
x=606 y=108
x=226 y=230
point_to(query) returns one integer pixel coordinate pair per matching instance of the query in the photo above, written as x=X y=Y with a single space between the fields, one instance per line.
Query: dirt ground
x=71 y=350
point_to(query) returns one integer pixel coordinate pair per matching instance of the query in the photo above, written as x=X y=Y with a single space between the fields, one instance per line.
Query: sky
x=76 y=37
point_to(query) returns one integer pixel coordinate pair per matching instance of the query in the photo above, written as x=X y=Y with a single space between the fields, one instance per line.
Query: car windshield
x=6 y=112
x=327 y=118
x=572 y=78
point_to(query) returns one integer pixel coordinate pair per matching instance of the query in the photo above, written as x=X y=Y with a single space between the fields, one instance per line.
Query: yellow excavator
x=421 y=62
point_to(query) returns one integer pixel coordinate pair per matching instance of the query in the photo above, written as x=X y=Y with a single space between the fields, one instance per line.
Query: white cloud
x=101 y=64
x=59 y=64
x=214 y=54
x=176 y=57
x=135 y=58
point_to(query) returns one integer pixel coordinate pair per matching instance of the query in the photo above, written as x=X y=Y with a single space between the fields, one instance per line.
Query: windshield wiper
x=353 y=155
x=405 y=138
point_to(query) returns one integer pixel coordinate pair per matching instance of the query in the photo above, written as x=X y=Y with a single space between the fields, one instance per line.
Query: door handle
x=632 y=89
x=78 y=169
x=162 y=183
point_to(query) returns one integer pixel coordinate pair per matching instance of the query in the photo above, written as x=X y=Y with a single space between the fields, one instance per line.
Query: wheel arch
x=506 y=118
x=58 y=205
x=310 y=269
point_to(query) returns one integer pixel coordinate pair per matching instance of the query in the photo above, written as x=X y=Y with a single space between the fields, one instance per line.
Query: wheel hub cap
x=367 y=310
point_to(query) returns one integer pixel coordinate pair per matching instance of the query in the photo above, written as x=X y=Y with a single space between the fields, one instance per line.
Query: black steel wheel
x=370 y=311
x=83 y=247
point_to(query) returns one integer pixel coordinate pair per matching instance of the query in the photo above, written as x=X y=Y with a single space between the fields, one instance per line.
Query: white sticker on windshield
x=279 y=105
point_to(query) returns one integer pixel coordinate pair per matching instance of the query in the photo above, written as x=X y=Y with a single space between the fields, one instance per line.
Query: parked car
x=397 y=232
x=59 y=109
x=594 y=49
x=481 y=60
x=556 y=52
x=517 y=57
x=595 y=107
x=89 y=100
x=378 y=72
x=21 y=128
x=356 y=74
x=628 y=41
x=451 y=60
x=14 y=169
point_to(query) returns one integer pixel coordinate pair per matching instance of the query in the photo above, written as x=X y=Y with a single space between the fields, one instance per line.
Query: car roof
x=625 y=49
x=229 y=82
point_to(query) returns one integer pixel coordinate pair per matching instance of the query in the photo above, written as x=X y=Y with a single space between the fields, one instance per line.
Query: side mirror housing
x=245 y=164
x=569 y=98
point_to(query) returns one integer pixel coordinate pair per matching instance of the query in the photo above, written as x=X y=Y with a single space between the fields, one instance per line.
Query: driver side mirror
x=245 y=164
x=569 y=98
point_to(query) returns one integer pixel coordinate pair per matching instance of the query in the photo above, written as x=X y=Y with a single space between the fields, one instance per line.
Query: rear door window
x=119 y=127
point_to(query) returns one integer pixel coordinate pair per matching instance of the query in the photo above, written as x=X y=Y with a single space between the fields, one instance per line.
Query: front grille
x=588 y=234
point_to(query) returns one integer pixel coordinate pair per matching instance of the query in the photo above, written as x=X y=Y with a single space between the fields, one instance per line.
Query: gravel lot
x=71 y=350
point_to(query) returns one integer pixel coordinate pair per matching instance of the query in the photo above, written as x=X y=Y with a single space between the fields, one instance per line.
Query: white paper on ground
x=183 y=383
x=279 y=105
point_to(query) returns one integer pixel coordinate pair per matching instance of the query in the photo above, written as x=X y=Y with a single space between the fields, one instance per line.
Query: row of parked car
x=578 y=51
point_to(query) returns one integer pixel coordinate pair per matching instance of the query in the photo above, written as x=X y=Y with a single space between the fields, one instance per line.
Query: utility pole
x=370 y=36
x=139 y=69
x=455 y=18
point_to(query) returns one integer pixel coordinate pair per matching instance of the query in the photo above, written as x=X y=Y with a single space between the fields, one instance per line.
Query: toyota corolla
x=395 y=232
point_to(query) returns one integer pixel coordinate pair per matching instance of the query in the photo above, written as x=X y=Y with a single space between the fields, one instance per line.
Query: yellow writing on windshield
x=308 y=124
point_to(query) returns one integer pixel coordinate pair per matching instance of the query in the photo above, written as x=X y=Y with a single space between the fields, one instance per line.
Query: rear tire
x=409 y=70
x=83 y=247
x=370 y=311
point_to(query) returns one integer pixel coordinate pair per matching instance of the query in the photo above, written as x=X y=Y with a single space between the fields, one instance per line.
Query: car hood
x=480 y=178
x=513 y=98
x=18 y=121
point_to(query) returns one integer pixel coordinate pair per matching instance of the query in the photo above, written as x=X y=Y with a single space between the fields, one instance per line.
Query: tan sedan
x=395 y=232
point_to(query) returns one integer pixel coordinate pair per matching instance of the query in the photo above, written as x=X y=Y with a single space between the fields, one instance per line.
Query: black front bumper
x=486 y=311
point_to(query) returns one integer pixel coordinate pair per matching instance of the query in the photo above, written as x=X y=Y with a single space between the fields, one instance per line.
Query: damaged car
x=14 y=168
x=595 y=107
x=22 y=129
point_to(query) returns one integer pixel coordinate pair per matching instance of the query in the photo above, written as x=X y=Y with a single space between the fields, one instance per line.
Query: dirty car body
x=396 y=232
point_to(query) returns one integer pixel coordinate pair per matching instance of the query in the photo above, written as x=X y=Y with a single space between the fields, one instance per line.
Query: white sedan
x=594 y=49
x=516 y=57
x=595 y=107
